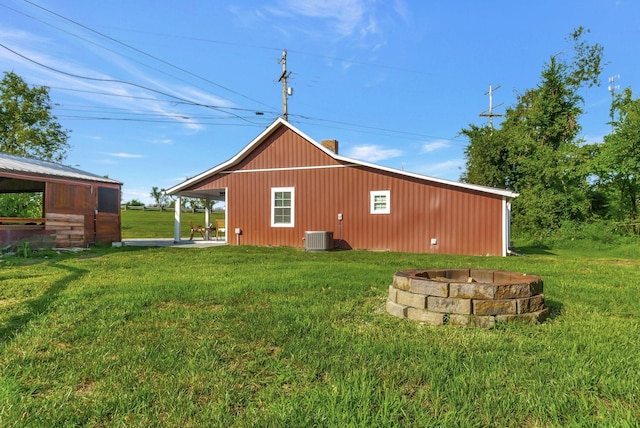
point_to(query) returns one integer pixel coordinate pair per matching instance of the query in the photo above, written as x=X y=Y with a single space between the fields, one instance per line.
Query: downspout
x=506 y=228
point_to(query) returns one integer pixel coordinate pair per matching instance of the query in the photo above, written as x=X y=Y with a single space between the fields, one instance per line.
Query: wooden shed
x=78 y=208
x=285 y=189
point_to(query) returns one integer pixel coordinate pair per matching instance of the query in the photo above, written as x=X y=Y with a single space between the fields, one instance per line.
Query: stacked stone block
x=472 y=297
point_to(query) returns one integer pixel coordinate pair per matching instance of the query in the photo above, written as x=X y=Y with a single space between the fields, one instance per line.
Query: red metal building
x=284 y=188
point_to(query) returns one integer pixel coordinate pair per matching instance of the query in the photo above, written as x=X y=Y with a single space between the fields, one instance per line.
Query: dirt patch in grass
x=617 y=262
x=170 y=305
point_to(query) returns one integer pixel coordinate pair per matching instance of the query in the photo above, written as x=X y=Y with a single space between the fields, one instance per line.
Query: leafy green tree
x=28 y=126
x=618 y=161
x=134 y=203
x=536 y=151
x=489 y=147
x=158 y=196
x=26 y=205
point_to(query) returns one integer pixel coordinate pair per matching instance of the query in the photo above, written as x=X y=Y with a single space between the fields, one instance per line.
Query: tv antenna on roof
x=286 y=90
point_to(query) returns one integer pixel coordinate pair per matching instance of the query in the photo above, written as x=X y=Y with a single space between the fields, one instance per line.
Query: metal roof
x=18 y=164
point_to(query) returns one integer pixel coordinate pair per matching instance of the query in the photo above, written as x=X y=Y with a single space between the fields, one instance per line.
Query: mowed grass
x=159 y=224
x=278 y=337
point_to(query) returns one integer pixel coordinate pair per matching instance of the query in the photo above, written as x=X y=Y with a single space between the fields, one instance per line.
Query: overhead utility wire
x=84 y=39
x=147 y=54
x=374 y=128
x=125 y=119
x=158 y=100
x=270 y=48
x=223 y=109
x=188 y=102
x=124 y=82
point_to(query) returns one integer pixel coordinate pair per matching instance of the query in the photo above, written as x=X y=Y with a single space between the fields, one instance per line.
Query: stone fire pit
x=466 y=297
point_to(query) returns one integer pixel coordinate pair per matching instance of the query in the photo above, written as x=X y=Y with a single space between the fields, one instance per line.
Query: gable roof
x=281 y=122
x=22 y=165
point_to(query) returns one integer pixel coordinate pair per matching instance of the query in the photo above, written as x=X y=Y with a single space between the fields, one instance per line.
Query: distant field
x=240 y=336
x=158 y=224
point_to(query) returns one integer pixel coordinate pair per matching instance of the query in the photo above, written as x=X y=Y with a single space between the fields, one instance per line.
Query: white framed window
x=283 y=206
x=380 y=202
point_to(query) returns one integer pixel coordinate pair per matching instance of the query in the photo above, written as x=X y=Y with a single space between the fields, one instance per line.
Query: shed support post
x=176 y=219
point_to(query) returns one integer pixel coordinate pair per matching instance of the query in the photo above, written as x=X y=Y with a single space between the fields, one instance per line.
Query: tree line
x=162 y=200
x=564 y=183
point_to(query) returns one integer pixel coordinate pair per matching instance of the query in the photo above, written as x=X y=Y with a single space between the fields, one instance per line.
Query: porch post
x=207 y=216
x=176 y=219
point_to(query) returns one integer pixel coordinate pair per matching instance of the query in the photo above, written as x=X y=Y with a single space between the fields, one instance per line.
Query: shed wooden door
x=107 y=227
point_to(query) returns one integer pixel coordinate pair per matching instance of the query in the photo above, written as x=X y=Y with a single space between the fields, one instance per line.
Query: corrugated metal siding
x=463 y=221
x=284 y=149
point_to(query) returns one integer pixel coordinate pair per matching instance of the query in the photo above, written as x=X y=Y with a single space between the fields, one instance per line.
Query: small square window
x=380 y=202
x=108 y=200
x=282 y=206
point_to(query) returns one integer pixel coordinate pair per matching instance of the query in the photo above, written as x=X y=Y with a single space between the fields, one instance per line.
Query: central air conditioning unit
x=318 y=240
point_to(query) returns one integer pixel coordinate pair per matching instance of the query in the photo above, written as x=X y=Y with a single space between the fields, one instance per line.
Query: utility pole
x=286 y=91
x=489 y=113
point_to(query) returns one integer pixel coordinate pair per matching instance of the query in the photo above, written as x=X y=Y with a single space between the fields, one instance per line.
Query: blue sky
x=158 y=91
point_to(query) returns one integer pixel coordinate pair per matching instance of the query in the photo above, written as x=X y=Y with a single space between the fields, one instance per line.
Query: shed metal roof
x=18 y=164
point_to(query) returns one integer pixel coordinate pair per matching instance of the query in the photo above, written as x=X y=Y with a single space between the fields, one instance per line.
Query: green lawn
x=277 y=337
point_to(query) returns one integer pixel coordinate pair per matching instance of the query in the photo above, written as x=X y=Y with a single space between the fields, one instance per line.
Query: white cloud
x=161 y=141
x=593 y=139
x=373 y=153
x=401 y=9
x=87 y=81
x=346 y=17
x=334 y=21
x=141 y=195
x=124 y=155
x=434 y=146
x=449 y=169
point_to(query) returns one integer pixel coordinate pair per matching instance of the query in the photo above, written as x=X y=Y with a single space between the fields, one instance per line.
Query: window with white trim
x=380 y=202
x=282 y=206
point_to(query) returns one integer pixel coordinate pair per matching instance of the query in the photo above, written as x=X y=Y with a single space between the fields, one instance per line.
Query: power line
x=218 y=108
x=272 y=48
x=193 y=103
x=133 y=97
x=145 y=53
x=124 y=82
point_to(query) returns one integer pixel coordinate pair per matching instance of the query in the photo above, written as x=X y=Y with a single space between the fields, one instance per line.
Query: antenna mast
x=489 y=113
x=286 y=91
x=612 y=88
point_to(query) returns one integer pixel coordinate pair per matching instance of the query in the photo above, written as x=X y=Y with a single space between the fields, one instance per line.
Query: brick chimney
x=331 y=145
